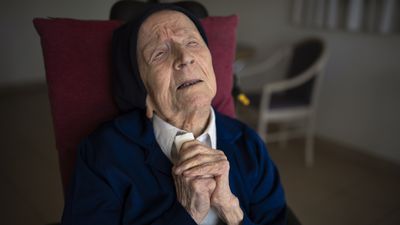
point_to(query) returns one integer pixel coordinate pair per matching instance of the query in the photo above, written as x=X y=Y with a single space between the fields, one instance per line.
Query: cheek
x=159 y=82
x=144 y=73
x=205 y=62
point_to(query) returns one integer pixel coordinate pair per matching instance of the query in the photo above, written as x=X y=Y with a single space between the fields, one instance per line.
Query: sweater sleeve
x=267 y=203
x=91 y=198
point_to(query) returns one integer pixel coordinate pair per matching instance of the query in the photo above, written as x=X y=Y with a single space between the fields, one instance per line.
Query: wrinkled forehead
x=163 y=22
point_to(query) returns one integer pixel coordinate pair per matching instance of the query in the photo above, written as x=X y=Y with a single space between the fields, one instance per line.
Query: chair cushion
x=221 y=34
x=77 y=56
x=305 y=54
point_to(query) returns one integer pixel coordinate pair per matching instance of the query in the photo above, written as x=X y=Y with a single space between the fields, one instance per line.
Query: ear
x=149 y=107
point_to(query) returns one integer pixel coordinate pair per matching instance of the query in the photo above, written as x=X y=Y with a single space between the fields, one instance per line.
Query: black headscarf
x=128 y=89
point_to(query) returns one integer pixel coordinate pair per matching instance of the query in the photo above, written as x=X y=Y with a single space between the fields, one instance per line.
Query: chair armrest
x=279 y=86
x=285 y=85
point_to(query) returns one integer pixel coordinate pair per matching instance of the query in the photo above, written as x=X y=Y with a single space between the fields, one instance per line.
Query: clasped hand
x=201 y=176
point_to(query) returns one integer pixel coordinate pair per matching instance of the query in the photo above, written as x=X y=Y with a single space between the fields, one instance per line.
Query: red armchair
x=78 y=70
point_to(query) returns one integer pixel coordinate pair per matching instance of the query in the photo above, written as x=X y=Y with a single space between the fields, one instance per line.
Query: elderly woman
x=132 y=170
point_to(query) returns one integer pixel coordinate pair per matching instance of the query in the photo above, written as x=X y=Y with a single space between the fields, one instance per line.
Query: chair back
x=304 y=56
x=126 y=10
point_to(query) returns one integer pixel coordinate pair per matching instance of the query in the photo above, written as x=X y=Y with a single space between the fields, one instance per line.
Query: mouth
x=188 y=83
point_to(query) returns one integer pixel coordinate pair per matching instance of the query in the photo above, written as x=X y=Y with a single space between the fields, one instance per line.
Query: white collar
x=165 y=133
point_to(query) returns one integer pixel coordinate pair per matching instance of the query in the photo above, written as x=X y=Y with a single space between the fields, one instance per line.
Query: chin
x=196 y=103
x=196 y=98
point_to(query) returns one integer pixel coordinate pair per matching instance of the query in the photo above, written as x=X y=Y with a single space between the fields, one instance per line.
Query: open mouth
x=188 y=83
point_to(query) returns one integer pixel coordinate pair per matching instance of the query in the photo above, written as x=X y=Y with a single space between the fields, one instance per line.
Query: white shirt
x=165 y=135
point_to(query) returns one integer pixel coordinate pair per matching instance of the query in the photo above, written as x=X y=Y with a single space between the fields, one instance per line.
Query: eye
x=192 y=43
x=159 y=54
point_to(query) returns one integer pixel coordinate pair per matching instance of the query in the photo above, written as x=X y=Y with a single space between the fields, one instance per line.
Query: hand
x=196 y=160
x=194 y=195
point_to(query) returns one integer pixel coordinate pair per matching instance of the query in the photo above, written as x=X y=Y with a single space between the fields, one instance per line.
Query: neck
x=194 y=122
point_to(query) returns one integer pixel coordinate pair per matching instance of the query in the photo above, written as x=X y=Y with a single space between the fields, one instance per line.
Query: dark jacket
x=123 y=177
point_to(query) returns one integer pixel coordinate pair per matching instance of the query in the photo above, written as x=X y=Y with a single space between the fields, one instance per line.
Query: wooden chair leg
x=309 y=155
x=262 y=129
x=283 y=135
x=309 y=148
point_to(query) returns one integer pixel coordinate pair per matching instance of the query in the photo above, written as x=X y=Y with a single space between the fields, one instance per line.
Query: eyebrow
x=148 y=46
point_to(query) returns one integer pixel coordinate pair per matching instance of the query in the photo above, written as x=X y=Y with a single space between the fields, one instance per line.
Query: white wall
x=360 y=99
x=20 y=55
x=360 y=102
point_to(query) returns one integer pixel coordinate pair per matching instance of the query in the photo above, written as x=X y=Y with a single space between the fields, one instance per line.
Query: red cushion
x=221 y=34
x=77 y=56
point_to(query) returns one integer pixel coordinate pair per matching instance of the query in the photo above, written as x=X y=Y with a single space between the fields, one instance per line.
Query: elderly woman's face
x=175 y=64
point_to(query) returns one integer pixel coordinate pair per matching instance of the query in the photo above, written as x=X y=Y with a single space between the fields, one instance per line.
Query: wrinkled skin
x=176 y=68
x=197 y=161
x=171 y=52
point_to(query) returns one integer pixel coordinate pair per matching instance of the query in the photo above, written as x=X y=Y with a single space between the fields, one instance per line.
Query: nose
x=183 y=58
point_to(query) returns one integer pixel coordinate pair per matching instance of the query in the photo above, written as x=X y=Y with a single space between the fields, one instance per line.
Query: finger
x=201 y=186
x=189 y=146
x=183 y=189
x=198 y=160
x=217 y=168
x=178 y=189
x=209 y=184
x=189 y=150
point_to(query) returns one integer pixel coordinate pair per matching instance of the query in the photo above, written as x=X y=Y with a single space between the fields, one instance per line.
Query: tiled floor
x=343 y=188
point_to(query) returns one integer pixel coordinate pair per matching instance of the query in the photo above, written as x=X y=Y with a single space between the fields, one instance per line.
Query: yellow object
x=243 y=99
